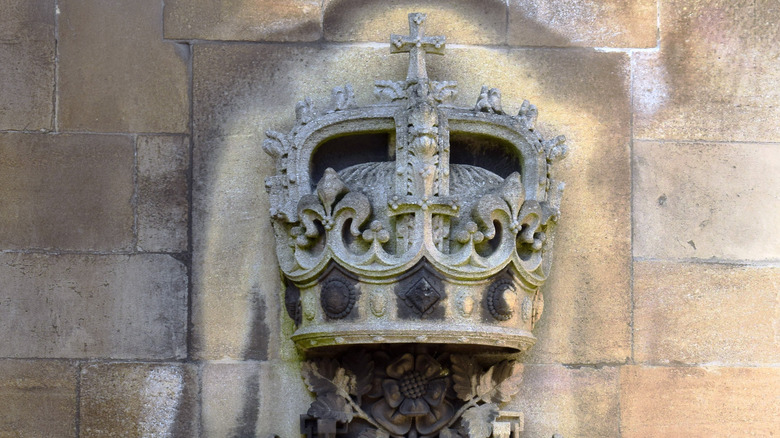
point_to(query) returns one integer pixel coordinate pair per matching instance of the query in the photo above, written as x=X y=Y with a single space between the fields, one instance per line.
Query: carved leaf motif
x=555 y=148
x=389 y=90
x=374 y=433
x=276 y=144
x=464 y=376
x=529 y=113
x=500 y=382
x=332 y=407
x=362 y=367
x=478 y=420
x=314 y=379
x=444 y=91
x=485 y=385
x=326 y=376
x=344 y=382
x=508 y=375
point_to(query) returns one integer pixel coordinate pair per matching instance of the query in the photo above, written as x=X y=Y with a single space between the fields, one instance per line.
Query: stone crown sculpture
x=415 y=250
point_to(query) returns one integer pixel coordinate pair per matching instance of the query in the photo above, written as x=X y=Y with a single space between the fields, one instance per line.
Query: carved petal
x=427 y=366
x=512 y=191
x=309 y=209
x=414 y=407
x=392 y=392
x=357 y=206
x=329 y=188
x=438 y=417
x=390 y=419
x=435 y=391
x=401 y=366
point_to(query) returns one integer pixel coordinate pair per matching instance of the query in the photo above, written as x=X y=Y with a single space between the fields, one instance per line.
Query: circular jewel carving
x=337 y=298
x=502 y=300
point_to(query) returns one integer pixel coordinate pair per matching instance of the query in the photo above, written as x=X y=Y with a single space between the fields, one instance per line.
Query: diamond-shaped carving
x=422 y=296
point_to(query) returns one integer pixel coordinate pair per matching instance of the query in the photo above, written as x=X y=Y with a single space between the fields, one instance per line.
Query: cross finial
x=417 y=44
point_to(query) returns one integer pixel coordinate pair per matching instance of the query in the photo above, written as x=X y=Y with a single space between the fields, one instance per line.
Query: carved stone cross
x=417 y=44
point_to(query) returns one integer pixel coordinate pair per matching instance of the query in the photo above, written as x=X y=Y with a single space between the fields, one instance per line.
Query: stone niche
x=413 y=237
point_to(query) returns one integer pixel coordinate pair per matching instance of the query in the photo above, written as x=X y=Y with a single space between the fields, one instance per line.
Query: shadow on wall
x=237 y=309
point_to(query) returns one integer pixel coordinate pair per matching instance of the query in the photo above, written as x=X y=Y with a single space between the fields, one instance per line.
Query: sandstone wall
x=139 y=292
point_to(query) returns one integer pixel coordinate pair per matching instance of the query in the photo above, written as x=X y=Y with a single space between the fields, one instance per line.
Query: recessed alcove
x=344 y=151
x=491 y=153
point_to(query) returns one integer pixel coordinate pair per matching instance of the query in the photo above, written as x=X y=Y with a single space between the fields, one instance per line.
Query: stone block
x=66 y=192
x=139 y=399
x=471 y=22
x=86 y=306
x=163 y=205
x=252 y=398
x=715 y=77
x=116 y=74
x=583 y=23
x=703 y=313
x=243 y=90
x=569 y=401
x=38 y=398
x=27 y=65
x=705 y=200
x=710 y=402
x=244 y=20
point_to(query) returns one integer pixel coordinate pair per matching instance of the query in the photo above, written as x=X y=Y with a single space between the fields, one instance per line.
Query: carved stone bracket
x=411 y=394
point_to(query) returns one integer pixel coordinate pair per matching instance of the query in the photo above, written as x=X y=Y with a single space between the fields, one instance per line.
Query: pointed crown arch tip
x=415 y=249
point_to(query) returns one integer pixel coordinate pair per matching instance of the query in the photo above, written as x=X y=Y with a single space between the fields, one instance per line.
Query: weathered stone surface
x=699 y=313
x=139 y=399
x=243 y=20
x=235 y=272
x=123 y=307
x=27 y=64
x=473 y=22
x=70 y=192
x=163 y=164
x=38 y=398
x=569 y=401
x=252 y=398
x=699 y=402
x=583 y=23
x=715 y=77
x=582 y=95
x=704 y=200
x=116 y=74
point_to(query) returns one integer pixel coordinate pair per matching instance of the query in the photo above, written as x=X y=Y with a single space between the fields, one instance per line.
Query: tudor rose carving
x=409 y=394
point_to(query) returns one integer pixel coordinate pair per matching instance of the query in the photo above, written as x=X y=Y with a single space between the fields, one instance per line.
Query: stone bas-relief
x=427 y=241
x=410 y=391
